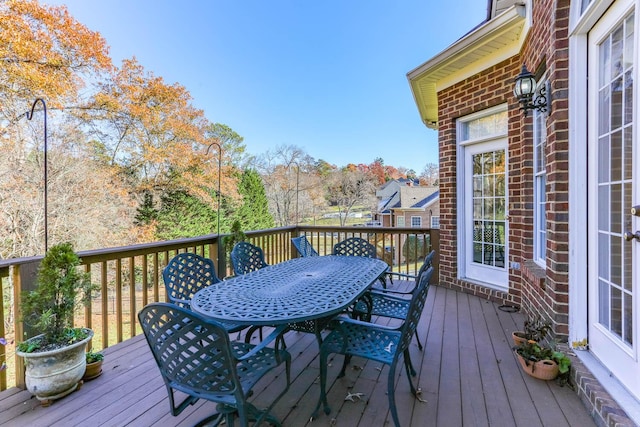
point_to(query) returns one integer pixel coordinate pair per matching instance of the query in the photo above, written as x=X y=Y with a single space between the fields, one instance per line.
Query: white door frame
x=489 y=140
x=580 y=25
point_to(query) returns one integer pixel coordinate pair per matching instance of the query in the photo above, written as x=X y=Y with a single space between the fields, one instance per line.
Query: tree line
x=130 y=159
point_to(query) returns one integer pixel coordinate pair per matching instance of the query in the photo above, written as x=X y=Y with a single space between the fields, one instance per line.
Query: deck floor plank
x=467 y=373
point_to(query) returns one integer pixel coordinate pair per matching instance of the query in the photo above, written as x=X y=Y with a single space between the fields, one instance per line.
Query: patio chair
x=246 y=258
x=186 y=274
x=196 y=357
x=357 y=246
x=394 y=304
x=383 y=344
x=304 y=246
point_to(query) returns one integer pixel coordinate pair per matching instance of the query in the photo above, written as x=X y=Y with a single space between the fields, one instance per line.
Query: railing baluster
x=104 y=293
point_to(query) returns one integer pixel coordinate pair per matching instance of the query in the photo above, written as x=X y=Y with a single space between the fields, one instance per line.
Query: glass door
x=614 y=240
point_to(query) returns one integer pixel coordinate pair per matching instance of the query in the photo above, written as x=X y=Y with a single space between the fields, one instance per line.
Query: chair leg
x=409 y=365
x=391 y=394
x=249 y=334
x=410 y=372
x=418 y=340
x=345 y=363
x=322 y=400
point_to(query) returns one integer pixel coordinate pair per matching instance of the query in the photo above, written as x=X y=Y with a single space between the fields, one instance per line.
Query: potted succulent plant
x=535 y=329
x=55 y=360
x=94 y=365
x=542 y=362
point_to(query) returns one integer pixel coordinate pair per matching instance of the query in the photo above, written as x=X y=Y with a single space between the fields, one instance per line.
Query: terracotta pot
x=93 y=370
x=543 y=370
x=518 y=337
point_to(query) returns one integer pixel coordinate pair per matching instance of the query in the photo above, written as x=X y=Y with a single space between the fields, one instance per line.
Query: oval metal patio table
x=292 y=291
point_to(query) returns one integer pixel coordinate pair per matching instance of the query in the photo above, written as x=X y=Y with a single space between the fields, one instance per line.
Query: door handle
x=629 y=236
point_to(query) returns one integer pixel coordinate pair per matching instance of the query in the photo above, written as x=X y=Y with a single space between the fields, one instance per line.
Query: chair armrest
x=390 y=291
x=274 y=335
x=405 y=275
x=386 y=295
x=344 y=319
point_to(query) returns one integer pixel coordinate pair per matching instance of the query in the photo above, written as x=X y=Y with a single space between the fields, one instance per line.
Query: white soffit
x=493 y=42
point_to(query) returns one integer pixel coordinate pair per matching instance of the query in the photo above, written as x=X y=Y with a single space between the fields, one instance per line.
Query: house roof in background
x=416 y=197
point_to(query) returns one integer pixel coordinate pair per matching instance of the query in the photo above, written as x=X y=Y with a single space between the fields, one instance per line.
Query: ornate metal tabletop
x=292 y=291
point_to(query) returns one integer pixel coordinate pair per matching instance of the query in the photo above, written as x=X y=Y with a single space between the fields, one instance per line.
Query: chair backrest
x=355 y=246
x=304 y=246
x=418 y=300
x=428 y=262
x=194 y=355
x=185 y=275
x=246 y=258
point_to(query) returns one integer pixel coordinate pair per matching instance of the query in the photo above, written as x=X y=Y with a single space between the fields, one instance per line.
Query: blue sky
x=328 y=76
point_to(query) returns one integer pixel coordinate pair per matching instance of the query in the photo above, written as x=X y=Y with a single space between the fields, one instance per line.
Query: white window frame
x=539 y=186
x=435 y=222
x=400 y=221
x=419 y=222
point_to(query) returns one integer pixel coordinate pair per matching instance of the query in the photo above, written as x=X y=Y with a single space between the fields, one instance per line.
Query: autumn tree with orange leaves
x=44 y=54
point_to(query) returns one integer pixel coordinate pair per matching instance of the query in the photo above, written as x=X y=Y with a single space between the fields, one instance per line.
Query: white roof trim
x=495 y=41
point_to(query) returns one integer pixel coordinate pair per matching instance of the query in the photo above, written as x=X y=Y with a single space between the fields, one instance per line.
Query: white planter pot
x=53 y=374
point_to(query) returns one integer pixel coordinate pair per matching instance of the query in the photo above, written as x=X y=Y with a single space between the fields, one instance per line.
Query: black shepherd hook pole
x=220 y=248
x=29 y=117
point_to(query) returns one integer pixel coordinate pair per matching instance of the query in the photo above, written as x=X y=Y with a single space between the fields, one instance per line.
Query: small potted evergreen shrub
x=55 y=360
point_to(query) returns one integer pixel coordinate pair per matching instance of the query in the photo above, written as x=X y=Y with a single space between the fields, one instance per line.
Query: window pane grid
x=489 y=208
x=615 y=173
x=539 y=190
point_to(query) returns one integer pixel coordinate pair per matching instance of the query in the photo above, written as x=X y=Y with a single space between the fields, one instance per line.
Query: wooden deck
x=467 y=373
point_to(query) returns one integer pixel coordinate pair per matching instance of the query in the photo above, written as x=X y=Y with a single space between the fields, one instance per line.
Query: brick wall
x=537 y=290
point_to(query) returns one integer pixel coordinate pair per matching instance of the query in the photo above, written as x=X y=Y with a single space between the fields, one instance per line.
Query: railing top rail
x=147 y=248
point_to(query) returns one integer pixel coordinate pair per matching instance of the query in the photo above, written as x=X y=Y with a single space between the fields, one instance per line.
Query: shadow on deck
x=468 y=376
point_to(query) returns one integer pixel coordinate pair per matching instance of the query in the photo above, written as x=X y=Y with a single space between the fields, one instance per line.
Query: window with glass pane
x=400 y=221
x=615 y=180
x=416 y=221
x=484 y=127
x=489 y=208
x=539 y=193
x=435 y=222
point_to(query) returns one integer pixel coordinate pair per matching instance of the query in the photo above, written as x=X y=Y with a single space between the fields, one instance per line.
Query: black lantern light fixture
x=529 y=95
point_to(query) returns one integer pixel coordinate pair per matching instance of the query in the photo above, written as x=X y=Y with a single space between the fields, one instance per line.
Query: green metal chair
x=246 y=257
x=393 y=304
x=355 y=246
x=186 y=274
x=304 y=246
x=381 y=343
x=196 y=357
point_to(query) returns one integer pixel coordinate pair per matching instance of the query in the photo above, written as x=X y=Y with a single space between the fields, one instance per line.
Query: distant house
x=403 y=203
x=540 y=195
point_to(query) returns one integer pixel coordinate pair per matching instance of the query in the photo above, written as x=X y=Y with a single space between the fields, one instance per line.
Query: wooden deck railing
x=131 y=277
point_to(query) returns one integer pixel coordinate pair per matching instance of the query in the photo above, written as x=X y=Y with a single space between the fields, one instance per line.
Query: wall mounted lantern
x=529 y=96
